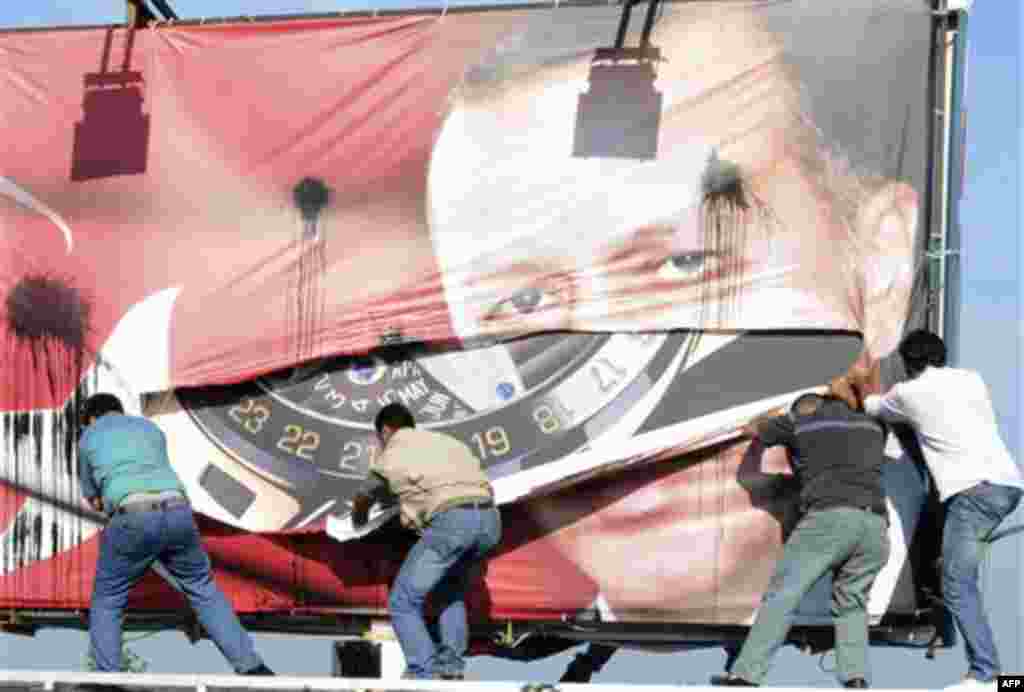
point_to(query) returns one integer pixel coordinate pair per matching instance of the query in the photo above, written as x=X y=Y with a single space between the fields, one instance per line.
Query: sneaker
x=730 y=680
x=261 y=669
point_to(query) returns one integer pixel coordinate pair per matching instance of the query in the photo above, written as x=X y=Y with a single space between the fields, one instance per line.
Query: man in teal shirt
x=125 y=472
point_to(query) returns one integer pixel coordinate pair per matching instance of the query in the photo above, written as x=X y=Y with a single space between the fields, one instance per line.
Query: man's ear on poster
x=887 y=225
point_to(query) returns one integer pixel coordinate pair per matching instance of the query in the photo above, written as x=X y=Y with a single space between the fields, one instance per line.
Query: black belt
x=474 y=504
x=464 y=503
x=156 y=506
x=874 y=509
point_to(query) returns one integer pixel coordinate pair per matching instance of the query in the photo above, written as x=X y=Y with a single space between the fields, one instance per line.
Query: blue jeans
x=971 y=517
x=130 y=544
x=440 y=562
x=851 y=543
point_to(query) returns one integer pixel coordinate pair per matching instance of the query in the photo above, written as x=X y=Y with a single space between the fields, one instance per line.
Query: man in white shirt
x=977 y=479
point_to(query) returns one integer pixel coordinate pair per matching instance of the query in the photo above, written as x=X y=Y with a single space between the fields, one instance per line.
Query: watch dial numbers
x=334 y=400
x=493 y=442
x=299 y=442
x=250 y=415
x=607 y=375
x=355 y=460
x=551 y=418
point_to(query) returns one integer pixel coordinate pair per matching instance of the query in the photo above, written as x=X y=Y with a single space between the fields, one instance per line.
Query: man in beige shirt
x=444 y=494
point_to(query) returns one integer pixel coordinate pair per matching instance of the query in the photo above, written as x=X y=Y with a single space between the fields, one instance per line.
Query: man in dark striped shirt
x=837 y=455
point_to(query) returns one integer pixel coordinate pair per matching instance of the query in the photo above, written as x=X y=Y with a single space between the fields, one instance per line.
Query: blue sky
x=992 y=299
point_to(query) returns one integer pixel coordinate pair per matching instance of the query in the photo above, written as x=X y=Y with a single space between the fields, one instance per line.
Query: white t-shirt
x=951 y=412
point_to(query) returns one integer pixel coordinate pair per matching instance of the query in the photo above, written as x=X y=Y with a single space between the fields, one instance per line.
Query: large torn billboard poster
x=592 y=266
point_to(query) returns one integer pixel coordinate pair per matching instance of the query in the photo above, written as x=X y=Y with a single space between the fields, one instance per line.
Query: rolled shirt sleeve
x=889 y=407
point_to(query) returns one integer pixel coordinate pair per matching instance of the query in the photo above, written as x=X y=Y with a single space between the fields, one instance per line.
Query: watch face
x=306 y=434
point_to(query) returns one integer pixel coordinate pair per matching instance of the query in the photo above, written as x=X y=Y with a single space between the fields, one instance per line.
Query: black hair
x=394 y=415
x=100 y=404
x=921 y=348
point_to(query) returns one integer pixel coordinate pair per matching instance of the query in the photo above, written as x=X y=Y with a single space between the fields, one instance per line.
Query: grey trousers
x=851 y=543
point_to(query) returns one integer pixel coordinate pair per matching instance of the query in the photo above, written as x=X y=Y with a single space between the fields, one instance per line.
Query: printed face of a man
x=728 y=227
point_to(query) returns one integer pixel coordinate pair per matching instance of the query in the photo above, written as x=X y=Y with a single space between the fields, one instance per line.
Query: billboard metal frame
x=942 y=281
x=946 y=173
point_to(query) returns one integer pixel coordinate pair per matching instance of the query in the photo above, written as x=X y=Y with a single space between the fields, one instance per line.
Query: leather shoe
x=730 y=680
x=580 y=670
x=261 y=669
x=856 y=684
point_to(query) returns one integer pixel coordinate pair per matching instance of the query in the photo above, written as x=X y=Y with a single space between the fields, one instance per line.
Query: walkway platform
x=36 y=681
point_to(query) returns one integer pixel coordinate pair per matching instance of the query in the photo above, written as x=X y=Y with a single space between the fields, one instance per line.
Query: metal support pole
x=137 y=14
x=620 y=35
x=652 y=11
x=939 y=247
x=934 y=199
x=957 y=140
